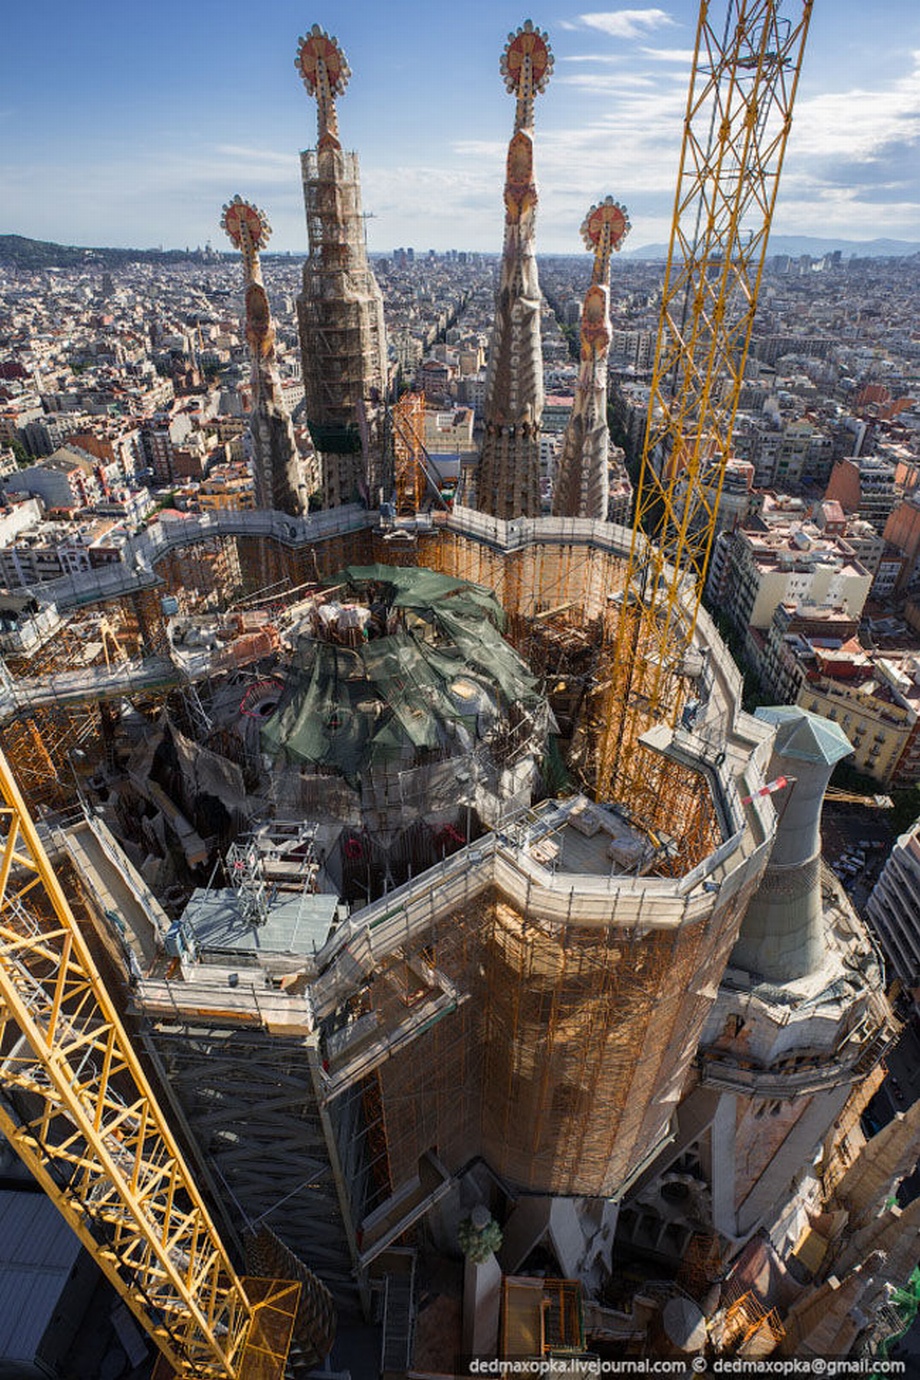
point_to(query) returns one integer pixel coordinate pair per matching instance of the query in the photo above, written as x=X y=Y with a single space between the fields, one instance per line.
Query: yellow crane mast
x=738 y=115
x=875 y=802
x=76 y=1105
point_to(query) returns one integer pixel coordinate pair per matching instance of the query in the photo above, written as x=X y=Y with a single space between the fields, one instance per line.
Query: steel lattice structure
x=76 y=1105
x=408 y=442
x=738 y=116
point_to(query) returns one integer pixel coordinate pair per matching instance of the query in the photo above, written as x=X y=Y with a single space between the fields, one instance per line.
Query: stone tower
x=782 y=937
x=277 y=470
x=340 y=310
x=581 y=481
x=508 y=481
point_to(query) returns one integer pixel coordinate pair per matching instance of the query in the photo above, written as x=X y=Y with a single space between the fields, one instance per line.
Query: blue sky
x=131 y=124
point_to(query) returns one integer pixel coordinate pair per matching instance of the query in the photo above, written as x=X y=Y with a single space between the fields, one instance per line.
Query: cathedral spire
x=276 y=462
x=581 y=482
x=322 y=66
x=340 y=310
x=508 y=482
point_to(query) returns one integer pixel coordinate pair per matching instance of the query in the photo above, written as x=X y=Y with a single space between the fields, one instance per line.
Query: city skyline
x=136 y=126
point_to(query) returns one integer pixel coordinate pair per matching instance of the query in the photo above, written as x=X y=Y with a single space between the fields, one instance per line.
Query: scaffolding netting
x=440 y=677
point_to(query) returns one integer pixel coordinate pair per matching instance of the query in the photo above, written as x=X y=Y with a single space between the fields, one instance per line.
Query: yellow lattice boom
x=738 y=116
x=76 y=1105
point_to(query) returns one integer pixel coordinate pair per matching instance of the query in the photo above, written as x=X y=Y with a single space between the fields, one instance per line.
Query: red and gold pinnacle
x=324 y=71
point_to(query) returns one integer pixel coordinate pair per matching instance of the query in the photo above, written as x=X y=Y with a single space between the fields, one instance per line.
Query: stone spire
x=508 y=481
x=895 y=1232
x=277 y=470
x=820 y=1324
x=581 y=480
x=782 y=934
x=880 y=1166
x=325 y=72
x=340 y=310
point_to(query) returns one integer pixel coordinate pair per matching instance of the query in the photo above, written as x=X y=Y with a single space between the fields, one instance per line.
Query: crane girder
x=738 y=116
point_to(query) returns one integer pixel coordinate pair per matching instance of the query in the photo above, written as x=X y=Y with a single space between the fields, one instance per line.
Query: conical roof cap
x=806 y=736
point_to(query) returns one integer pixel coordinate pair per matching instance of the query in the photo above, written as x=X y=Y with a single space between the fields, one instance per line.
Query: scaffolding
x=541 y=1317
x=561 y=587
x=751 y=1329
x=544 y=1019
x=54 y=748
x=551 y=1039
x=414 y=473
x=508 y=478
x=342 y=333
x=701 y=1265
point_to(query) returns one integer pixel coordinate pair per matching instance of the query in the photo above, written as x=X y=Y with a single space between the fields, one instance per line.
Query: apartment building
x=449 y=431
x=50 y=550
x=17 y=415
x=893 y=909
x=227 y=487
x=865 y=486
x=161 y=436
x=65 y=479
x=790 y=646
x=791 y=564
x=866 y=694
x=902 y=531
x=784 y=453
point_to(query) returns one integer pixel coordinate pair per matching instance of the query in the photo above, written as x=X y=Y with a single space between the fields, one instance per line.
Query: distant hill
x=797 y=245
x=19 y=252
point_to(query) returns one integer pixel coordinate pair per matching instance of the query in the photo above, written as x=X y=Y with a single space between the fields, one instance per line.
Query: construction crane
x=413 y=470
x=408 y=418
x=738 y=115
x=841 y=797
x=76 y=1105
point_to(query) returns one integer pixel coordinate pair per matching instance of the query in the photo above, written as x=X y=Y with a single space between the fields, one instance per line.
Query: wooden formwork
x=565 y=1058
x=433 y=1098
x=531 y=579
x=204 y=573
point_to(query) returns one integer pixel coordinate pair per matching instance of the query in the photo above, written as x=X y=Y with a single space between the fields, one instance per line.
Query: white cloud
x=606 y=58
x=682 y=55
x=614 y=125
x=493 y=150
x=858 y=123
x=841 y=211
x=610 y=85
x=851 y=160
x=241 y=154
x=627 y=23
